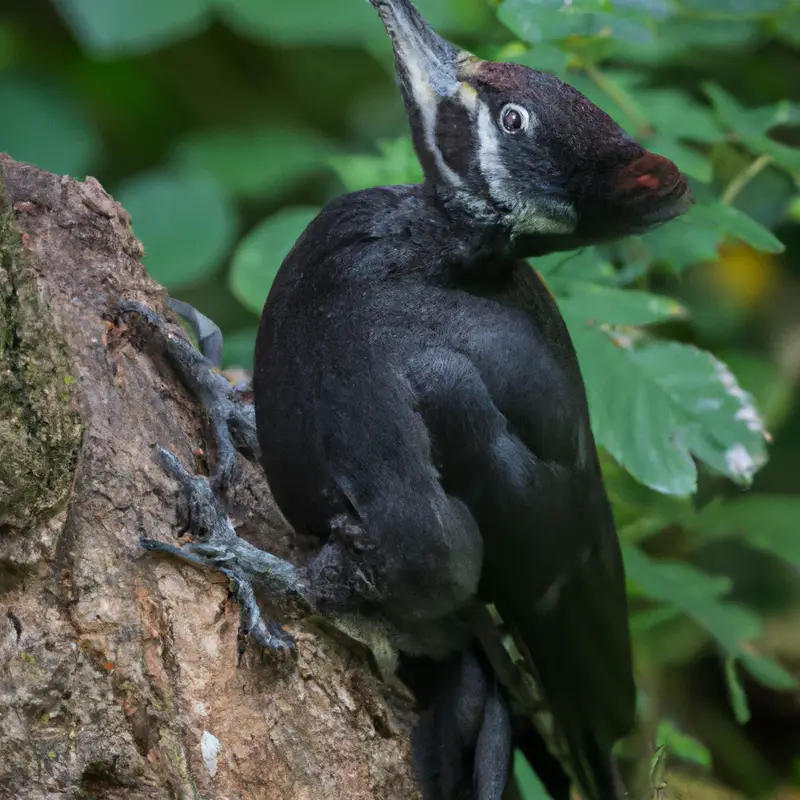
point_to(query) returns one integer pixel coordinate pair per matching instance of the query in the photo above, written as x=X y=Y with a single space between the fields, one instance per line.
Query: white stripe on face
x=490 y=161
x=426 y=98
x=527 y=214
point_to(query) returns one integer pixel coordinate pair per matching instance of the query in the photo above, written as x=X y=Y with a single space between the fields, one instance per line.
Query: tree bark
x=118 y=669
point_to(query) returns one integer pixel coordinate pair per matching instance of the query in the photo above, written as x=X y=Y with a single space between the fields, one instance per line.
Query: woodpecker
x=420 y=409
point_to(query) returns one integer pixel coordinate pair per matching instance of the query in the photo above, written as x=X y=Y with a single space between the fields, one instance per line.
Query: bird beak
x=426 y=63
x=428 y=68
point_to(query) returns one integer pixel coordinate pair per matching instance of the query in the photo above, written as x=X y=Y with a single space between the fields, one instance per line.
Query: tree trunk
x=118 y=669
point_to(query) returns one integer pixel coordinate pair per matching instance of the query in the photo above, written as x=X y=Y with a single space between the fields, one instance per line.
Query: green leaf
x=455 y=15
x=397 y=164
x=788 y=30
x=323 y=22
x=767 y=522
x=736 y=692
x=528 y=783
x=632 y=417
x=721 y=425
x=262 y=162
x=697 y=594
x=239 y=349
x=784 y=112
x=654 y=405
x=694 y=40
x=657 y=9
x=186 y=222
x=599 y=304
x=751 y=125
x=743 y=121
x=682 y=745
x=770 y=385
x=260 y=254
x=672 y=112
x=586 y=264
x=683 y=243
x=783 y=155
x=544 y=57
x=700 y=597
x=551 y=20
x=132 y=26
x=639 y=511
x=767 y=671
x=735 y=8
x=302 y=22
x=735 y=223
x=644 y=621
x=43 y=125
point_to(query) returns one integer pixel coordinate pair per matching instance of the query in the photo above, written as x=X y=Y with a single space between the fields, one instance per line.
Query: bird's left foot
x=232 y=420
x=219 y=548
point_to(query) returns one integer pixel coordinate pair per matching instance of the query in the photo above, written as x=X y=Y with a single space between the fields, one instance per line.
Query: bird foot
x=219 y=548
x=249 y=569
x=232 y=421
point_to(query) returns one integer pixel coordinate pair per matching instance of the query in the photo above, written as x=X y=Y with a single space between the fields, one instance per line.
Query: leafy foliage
x=262 y=251
x=186 y=222
x=657 y=405
x=261 y=162
x=40 y=109
x=395 y=164
x=528 y=782
x=132 y=25
x=685 y=747
x=700 y=597
x=767 y=523
x=679 y=426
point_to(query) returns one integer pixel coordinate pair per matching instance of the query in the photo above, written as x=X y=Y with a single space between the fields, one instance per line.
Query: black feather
x=420 y=408
x=438 y=408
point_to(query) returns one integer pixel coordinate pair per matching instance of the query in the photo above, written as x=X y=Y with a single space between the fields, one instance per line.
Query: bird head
x=523 y=147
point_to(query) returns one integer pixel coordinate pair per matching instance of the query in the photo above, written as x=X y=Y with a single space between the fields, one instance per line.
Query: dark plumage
x=419 y=408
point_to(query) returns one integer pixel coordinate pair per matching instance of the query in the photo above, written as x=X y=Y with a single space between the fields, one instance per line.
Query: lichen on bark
x=39 y=428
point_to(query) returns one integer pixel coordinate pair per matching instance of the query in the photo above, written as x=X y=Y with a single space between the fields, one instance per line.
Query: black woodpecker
x=419 y=407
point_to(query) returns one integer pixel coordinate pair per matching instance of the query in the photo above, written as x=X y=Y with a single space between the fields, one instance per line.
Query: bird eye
x=514 y=119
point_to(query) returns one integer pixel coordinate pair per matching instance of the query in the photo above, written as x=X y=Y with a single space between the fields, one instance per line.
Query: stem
x=622 y=99
x=739 y=181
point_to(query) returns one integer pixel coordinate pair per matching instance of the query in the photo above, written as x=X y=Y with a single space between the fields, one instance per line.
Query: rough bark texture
x=118 y=673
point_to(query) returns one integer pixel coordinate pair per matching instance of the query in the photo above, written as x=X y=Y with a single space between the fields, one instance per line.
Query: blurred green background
x=223 y=125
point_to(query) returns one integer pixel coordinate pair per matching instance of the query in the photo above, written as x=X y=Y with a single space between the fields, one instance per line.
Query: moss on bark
x=39 y=428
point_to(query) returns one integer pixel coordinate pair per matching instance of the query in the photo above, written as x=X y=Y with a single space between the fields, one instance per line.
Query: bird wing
x=525 y=464
x=553 y=570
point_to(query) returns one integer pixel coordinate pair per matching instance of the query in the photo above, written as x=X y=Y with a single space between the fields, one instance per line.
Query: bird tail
x=560 y=747
x=462 y=746
x=471 y=724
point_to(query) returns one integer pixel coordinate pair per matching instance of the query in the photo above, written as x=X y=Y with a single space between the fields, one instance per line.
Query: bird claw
x=232 y=421
x=268 y=634
x=201 y=513
x=219 y=548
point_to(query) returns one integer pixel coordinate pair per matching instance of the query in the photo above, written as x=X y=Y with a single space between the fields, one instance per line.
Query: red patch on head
x=648 y=182
x=650 y=172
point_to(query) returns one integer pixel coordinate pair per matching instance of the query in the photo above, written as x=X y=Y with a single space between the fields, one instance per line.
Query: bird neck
x=466 y=235
x=488 y=231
